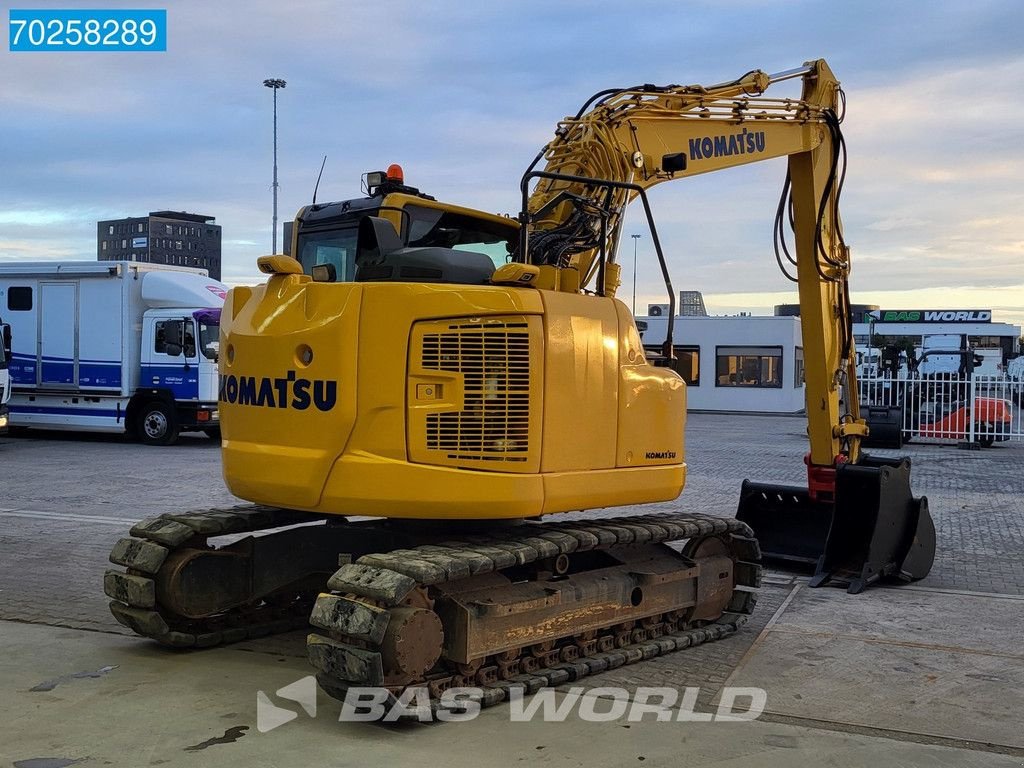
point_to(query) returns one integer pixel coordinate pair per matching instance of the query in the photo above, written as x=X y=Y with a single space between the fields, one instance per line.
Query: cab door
x=169 y=358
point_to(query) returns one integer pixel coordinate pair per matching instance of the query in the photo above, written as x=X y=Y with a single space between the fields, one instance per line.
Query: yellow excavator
x=417 y=384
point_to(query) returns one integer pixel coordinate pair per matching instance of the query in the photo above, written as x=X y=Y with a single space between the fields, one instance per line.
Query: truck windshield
x=209 y=339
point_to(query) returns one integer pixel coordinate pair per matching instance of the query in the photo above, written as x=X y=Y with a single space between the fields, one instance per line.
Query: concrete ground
x=925 y=675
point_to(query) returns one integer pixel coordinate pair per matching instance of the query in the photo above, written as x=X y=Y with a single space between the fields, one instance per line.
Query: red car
x=992 y=417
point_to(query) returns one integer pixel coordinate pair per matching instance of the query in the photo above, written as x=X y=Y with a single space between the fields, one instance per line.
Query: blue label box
x=77 y=30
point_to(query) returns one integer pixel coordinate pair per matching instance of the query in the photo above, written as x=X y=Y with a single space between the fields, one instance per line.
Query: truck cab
x=178 y=365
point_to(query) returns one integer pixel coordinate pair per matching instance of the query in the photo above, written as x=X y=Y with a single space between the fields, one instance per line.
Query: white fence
x=944 y=408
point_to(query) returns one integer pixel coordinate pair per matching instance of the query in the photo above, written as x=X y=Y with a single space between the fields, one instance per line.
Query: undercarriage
x=398 y=606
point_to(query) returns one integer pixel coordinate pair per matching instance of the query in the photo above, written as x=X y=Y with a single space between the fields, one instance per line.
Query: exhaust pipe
x=871 y=529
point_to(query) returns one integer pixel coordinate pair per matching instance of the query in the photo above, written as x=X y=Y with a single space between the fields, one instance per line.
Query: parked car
x=992 y=417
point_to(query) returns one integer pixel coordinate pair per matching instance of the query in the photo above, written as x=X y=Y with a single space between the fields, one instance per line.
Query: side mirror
x=324 y=273
x=6 y=333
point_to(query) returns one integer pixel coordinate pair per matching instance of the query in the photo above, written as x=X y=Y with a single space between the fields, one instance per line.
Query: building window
x=798 y=368
x=124 y=244
x=168 y=229
x=177 y=245
x=19 y=299
x=103 y=245
x=686 y=363
x=110 y=229
x=759 y=367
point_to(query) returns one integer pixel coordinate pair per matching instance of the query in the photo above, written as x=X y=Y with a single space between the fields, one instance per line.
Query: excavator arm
x=622 y=143
x=648 y=135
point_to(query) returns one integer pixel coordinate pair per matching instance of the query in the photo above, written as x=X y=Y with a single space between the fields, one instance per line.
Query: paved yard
x=66 y=499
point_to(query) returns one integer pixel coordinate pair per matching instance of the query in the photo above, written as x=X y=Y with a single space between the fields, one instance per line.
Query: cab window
x=336 y=247
x=169 y=332
x=444 y=229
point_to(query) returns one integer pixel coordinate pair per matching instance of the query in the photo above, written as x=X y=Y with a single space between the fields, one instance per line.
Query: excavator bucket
x=873 y=529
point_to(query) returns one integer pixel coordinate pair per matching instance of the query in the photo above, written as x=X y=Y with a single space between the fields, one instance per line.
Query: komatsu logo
x=660 y=454
x=287 y=392
x=746 y=142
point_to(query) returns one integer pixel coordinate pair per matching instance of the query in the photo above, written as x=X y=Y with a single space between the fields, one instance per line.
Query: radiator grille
x=494 y=360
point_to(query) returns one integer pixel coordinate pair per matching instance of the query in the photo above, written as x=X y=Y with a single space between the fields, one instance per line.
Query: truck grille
x=494 y=360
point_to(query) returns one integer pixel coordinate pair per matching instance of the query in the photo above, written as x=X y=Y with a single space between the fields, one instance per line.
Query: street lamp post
x=274 y=84
x=635 y=238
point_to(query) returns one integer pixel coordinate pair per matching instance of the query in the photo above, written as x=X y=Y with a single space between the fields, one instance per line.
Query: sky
x=464 y=94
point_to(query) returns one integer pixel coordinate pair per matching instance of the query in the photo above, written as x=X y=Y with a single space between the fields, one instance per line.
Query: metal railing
x=951 y=408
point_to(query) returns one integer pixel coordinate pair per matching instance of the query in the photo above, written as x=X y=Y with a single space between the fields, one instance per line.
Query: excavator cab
x=337 y=242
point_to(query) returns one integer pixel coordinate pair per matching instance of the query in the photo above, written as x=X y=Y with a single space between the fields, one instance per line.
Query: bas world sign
x=933 y=315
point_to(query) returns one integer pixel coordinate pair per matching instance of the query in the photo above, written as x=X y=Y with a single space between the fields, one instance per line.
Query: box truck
x=113 y=346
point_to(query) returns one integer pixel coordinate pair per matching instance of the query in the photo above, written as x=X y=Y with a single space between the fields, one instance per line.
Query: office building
x=175 y=238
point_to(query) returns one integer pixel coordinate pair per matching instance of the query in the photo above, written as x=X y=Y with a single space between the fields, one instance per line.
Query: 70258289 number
x=87 y=30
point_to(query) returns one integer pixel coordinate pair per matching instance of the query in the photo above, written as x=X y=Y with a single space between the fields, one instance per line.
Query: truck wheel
x=985 y=434
x=157 y=424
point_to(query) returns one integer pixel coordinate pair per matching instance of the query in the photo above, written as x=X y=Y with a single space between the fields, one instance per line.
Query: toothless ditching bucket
x=873 y=529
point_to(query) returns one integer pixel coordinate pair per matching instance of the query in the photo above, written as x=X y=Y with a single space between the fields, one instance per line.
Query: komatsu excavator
x=419 y=383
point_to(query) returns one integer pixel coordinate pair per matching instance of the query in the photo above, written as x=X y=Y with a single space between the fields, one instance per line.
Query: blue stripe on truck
x=91 y=373
x=65 y=411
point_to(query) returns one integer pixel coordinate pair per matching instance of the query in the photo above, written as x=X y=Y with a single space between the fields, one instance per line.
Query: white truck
x=113 y=346
x=5 y=375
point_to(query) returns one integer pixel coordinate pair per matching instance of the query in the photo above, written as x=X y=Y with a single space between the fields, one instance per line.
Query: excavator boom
x=622 y=143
